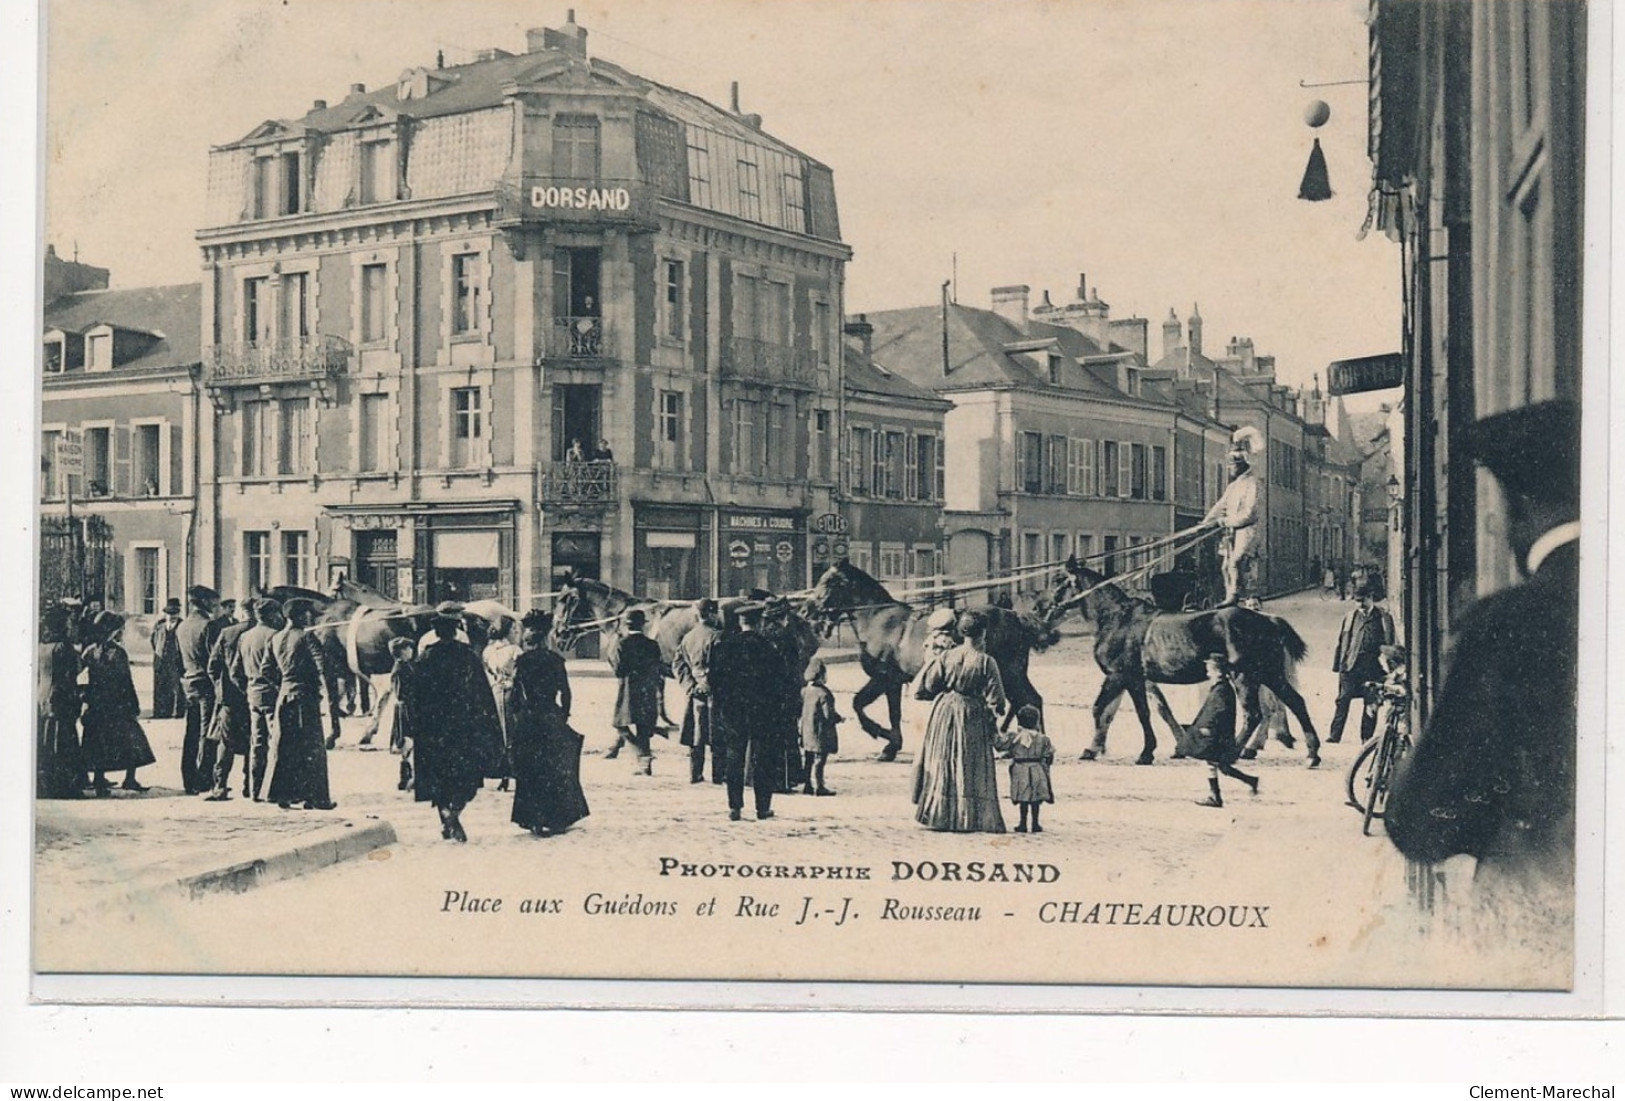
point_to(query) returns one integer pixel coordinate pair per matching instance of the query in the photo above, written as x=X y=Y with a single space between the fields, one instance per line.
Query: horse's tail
x=1292 y=643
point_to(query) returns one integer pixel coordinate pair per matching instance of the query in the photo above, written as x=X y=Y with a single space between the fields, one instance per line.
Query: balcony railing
x=315 y=358
x=582 y=202
x=580 y=484
x=581 y=338
x=762 y=361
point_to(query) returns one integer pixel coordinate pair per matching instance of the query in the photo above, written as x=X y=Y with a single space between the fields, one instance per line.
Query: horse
x=891 y=637
x=1138 y=646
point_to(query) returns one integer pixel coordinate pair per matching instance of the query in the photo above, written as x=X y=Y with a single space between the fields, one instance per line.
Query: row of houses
x=488 y=324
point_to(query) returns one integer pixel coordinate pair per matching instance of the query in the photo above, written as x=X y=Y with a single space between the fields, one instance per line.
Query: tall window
x=1108 y=468
x=147 y=581
x=371 y=452
x=858 y=469
x=925 y=468
x=257 y=311
x=145 y=442
x=820 y=333
x=99 y=352
x=1057 y=452
x=699 y=167
x=669 y=431
x=1080 y=475
x=575 y=147
x=465 y=293
x=744 y=433
x=99 y=461
x=265 y=190
x=49 y=470
x=1109 y=549
x=821 y=442
x=1138 y=471
x=1057 y=552
x=777 y=445
x=674 y=299
x=294 y=443
x=258 y=443
x=1159 y=473
x=795 y=201
x=750 y=191
x=1032 y=462
x=257 y=560
x=374 y=308
x=467 y=427
x=291 y=184
x=296 y=558
x=896 y=464
x=295 y=327
x=373 y=186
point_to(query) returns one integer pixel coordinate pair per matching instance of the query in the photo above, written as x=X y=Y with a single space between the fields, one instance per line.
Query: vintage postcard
x=1052 y=495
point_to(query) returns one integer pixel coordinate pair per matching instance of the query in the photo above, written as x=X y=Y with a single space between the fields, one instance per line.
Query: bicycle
x=1373 y=770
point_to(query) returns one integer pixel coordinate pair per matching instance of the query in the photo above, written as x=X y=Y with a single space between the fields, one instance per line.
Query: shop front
x=761 y=550
x=454 y=553
x=670 y=552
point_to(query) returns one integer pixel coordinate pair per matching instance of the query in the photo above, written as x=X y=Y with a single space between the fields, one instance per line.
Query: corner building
x=501 y=320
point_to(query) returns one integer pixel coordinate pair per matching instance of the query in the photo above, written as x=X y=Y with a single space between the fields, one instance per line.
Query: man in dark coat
x=167 y=700
x=196 y=636
x=691 y=665
x=58 y=770
x=1358 y=660
x=457 y=735
x=264 y=684
x=635 y=659
x=1492 y=775
x=748 y=674
x=298 y=766
x=233 y=723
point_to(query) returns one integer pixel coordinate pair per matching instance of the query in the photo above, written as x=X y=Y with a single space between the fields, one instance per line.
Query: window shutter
x=910 y=467
x=121 y=441
x=1100 y=468
x=1125 y=468
x=177 y=461
x=941 y=452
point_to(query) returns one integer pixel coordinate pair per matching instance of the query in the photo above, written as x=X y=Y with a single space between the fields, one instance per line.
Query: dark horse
x=891 y=637
x=1136 y=645
x=587 y=603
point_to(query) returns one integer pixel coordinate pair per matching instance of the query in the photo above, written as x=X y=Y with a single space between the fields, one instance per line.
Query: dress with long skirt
x=60 y=775
x=546 y=753
x=113 y=740
x=456 y=737
x=956 y=784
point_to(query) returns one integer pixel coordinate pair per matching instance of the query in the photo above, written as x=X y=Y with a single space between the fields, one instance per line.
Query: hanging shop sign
x=832 y=523
x=1357 y=376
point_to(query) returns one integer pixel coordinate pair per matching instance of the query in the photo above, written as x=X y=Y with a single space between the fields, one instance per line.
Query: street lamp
x=1393 y=490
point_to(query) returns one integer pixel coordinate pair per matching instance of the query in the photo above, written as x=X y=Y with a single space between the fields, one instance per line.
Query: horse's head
x=844 y=587
x=1073 y=579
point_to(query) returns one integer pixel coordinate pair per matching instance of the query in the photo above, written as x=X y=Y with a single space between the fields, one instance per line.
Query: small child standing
x=1212 y=736
x=1031 y=754
x=396 y=710
x=818 y=722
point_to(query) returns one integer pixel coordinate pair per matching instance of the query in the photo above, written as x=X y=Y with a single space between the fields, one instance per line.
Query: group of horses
x=1137 y=646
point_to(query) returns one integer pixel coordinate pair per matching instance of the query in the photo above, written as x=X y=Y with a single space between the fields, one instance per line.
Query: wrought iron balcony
x=762 y=361
x=581 y=338
x=580 y=484
x=311 y=359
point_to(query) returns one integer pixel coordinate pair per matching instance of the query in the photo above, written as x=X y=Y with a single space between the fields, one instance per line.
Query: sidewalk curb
x=317 y=850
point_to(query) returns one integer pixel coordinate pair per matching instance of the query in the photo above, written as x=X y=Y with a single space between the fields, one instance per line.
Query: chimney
x=1170 y=334
x=1133 y=334
x=864 y=332
x=570 y=38
x=1083 y=287
x=1196 y=330
x=358 y=89
x=319 y=105
x=1045 y=306
x=1010 y=303
x=733 y=97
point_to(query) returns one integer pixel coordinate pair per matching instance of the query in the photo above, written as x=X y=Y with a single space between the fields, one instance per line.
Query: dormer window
x=376 y=183
x=99 y=351
x=1054 y=369
x=55 y=359
x=277 y=186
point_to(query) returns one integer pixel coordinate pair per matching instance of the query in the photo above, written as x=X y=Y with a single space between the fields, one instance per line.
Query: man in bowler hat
x=1358 y=661
x=1492 y=774
x=167 y=700
x=635 y=659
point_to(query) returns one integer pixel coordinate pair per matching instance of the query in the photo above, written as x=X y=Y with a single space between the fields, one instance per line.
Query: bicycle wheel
x=1382 y=775
x=1360 y=776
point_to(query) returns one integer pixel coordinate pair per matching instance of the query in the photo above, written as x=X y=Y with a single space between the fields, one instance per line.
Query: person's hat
x=449 y=611
x=815 y=669
x=299 y=605
x=1533 y=451
x=972 y=622
x=202 y=594
x=749 y=611
x=268 y=606
x=1029 y=717
x=942 y=619
x=173 y=604
x=536 y=620
x=634 y=618
x=1246 y=442
x=107 y=624
x=228 y=602
x=706 y=607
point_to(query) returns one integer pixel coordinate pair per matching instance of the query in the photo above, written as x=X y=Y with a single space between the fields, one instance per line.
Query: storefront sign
x=761 y=523
x=832 y=523
x=70 y=453
x=840 y=548
x=1357 y=376
x=785 y=551
x=739 y=553
x=581 y=198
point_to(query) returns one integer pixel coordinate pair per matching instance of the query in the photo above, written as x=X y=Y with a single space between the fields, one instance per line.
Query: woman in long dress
x=956 y=783
x=499 y=656
x=59 y=774
x=456 y=736
x=113 y=739
x=545 y=753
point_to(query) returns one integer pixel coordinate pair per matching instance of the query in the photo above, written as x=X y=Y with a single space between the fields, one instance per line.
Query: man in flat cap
x=1235 y=514
x=635 y=659
x=1492 y=775
x=196 y=636
x=691 y=665
x=167 y=699
x=233 y=725
x=264 y=686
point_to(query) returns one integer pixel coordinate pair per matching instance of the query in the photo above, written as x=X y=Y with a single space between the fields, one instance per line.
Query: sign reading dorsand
x=581 y=198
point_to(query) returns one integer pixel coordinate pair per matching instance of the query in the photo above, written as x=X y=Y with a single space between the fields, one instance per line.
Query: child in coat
x=818 y=722
x=396 y=712
x=1031 y=754
x=1212 y=736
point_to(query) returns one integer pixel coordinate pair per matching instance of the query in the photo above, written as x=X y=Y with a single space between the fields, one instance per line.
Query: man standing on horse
x=691 y=665
x=1236 y=515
